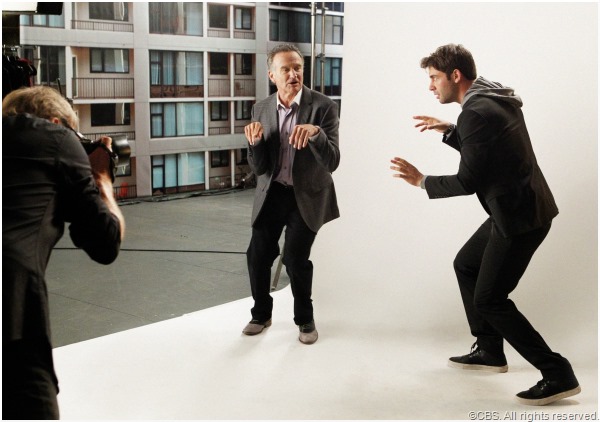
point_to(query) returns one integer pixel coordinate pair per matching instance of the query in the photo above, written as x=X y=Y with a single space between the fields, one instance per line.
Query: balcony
x=244 y=35
x=219 y=87
x=93 y=88
x=102 y=26
x=95 y=136
x=218 y=33
x=167 y=91
x=245 y=88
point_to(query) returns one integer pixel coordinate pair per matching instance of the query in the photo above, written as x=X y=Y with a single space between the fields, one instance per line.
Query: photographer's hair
x=449 y=57
x=283 y=48
x=41 y=101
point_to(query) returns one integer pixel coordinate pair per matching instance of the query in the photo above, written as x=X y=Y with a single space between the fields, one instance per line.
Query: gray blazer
x=313 y=165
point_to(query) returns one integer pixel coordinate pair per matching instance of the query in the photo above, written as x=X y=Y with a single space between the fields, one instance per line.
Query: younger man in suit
x=293 y=149
x=498 y=164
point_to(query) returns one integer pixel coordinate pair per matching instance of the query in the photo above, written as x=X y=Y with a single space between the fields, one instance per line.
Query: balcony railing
x=166 y=91
x=244 y=35
x=218 y=33
x=245 y=88
x=125 y=191
x=102 y=26
x=103 y=88
x=219 y=88
x=95 y=136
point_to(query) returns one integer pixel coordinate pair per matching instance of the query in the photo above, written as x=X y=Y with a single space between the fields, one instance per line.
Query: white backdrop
x=388 y=259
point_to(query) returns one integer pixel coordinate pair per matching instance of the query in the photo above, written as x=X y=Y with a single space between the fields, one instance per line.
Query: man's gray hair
x=283 y=48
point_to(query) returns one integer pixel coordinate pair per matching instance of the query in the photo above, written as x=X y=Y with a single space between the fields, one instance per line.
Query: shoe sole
x=551 y=399
x=488 y=368
x=253 y=333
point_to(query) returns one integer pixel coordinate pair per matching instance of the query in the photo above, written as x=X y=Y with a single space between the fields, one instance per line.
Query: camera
x=121 y=149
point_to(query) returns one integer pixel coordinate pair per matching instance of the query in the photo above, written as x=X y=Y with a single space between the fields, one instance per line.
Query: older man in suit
x=293 y=149
x=498 y=164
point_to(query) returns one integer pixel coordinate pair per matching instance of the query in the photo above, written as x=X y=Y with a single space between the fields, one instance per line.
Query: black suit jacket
x=313 y=165
x=498 y=164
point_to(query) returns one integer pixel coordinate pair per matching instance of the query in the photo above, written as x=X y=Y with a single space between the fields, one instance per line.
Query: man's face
x=444 y=89
x=286 y=73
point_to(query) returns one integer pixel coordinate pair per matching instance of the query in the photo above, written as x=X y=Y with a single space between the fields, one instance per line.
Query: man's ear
x=55 y=120
x=457 y=76
x=271 y=77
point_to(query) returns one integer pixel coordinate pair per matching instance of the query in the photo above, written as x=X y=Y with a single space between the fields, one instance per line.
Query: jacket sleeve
x=93 y=227
x=325 y=145
x=475 y=144
x=259 y=159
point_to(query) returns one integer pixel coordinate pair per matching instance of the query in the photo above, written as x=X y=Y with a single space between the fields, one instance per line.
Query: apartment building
x=178 y=78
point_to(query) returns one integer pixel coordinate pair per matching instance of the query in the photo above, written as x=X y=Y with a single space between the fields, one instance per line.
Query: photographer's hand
x=100 y=162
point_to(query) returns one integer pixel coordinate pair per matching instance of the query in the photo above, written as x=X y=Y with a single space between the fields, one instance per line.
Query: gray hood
x=494 y=90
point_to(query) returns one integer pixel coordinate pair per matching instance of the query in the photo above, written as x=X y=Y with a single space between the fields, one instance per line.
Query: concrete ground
x=180 y=255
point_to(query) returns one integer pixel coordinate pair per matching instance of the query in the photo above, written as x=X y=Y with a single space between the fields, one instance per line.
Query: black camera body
x=121 y=150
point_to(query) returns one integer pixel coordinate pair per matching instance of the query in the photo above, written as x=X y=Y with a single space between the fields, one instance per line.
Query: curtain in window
x=190 y=119
x=170 y=121
x=170 y=171
x=194 y=69
x=168 y=76
x=193 y=18
x=190 y=168
x=155 y=68
x=156 y=118
x=157 y=172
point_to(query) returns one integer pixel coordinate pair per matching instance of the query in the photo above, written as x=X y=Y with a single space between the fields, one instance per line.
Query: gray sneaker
x=308 y=333
x=255 y=327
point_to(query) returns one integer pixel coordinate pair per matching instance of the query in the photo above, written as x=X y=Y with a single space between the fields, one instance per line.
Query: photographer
x=47 y=180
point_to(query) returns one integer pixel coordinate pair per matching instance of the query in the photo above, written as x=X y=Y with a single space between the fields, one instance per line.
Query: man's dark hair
x=449 y=57
x=283 y=48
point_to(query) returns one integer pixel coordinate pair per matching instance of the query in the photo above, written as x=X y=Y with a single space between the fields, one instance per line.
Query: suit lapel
x=305 y=109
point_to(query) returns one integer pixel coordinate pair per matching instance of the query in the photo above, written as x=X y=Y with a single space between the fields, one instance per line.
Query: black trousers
x=281 y=210
x=29 y=385
x=489 y=267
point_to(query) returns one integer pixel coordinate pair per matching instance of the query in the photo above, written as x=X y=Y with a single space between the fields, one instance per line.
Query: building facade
x=178 y=78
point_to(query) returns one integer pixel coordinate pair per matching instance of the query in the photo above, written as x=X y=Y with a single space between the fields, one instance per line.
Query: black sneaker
x=546 y=392
x=479 y=360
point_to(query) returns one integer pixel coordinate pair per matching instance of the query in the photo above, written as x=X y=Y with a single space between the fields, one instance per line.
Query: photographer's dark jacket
x=497 y=161
x=46 y=181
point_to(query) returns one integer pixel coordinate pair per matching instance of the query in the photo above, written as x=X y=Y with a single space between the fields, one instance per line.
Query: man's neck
x=286 y=99
x=464 y=87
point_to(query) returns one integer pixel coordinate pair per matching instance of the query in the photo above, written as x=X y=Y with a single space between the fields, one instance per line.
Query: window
x=243 y=64
x=50 y=64
x=295 y=27
x=218 y=64
x=110 y=11
x=243 y=18
x=243 y=110
x=178 y=18
x=289 y=26
x=110 y=114
x=333 y=76
x=217 y=16
x=219 y=111
x=177 y=170
x=109 y=60
x=334 y=29
x=51 y=21
x=219 y=158
x=176 y=68
x=176 y=119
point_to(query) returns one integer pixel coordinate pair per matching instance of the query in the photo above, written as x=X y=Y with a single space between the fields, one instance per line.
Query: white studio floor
x=200 y=366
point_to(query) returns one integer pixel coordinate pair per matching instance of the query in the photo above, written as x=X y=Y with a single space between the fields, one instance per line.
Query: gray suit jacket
x=313 y=165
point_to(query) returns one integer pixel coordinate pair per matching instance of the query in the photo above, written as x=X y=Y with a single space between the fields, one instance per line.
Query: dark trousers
x=281 y=210
x=29 y=385
x=488 y=268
